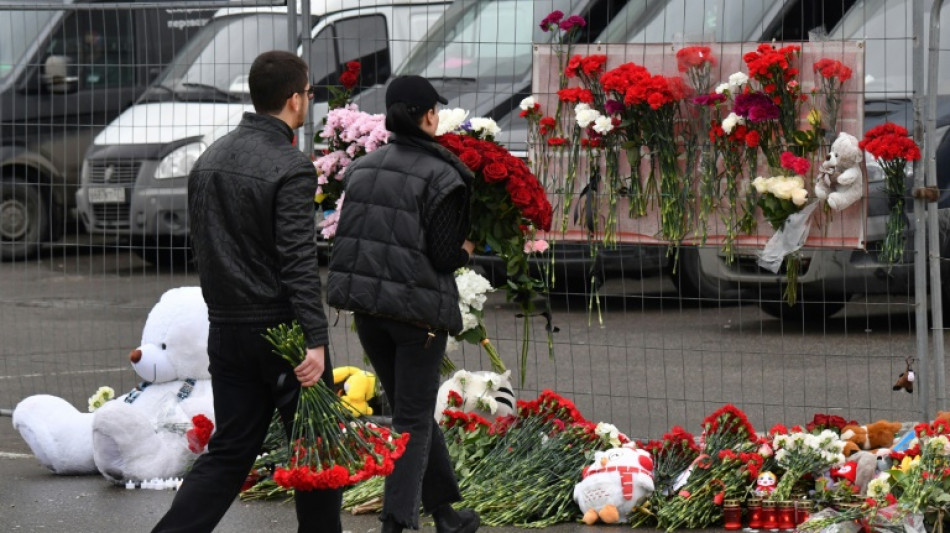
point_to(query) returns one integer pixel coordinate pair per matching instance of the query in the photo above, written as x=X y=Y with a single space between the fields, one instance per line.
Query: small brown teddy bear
x=880 y=434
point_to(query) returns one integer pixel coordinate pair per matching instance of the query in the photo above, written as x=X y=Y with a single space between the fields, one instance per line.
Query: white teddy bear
x=485 y=393
x=154 y=431
x=840 y=180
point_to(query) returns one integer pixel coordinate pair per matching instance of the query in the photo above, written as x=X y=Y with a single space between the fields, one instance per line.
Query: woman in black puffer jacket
x=398 y=242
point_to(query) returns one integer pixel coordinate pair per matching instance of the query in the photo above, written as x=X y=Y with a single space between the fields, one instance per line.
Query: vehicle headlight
x=178 y=163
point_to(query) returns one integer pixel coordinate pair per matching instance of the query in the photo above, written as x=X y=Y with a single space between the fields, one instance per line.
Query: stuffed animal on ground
x=765 y=483
x=155 y=431
x=880 y=434
x=857 y=472
x=484 y=393
x=840 y=180
x=618 y=480
x=356 y=387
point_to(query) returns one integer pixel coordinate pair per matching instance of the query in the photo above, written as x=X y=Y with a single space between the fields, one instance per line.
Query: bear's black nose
x=828 y=157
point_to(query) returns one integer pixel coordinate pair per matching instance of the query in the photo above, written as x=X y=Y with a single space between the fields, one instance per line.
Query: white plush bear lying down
x=143 y=434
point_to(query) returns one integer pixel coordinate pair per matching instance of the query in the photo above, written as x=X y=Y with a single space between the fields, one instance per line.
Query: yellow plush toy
x=355 y=387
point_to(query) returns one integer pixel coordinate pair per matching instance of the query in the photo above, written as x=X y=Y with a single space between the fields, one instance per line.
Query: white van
x=134 y=175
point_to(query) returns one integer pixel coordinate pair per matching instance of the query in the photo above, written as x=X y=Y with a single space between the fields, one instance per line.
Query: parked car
x=829 y=278
x=134 y=182
x=64 y=74
x=495 y=84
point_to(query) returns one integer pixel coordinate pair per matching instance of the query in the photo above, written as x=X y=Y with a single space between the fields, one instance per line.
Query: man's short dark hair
x=274 y=77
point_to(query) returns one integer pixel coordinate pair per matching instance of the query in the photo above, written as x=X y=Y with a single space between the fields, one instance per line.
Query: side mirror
x=56 y=74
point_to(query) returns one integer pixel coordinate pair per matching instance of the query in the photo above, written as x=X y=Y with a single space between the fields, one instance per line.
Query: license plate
x=106 y=195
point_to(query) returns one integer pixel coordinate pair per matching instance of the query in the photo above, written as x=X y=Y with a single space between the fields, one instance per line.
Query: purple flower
x=763 y=112
x=573 y=21
x=612 y=107
x=709 y=99
x=553 y=19
x=757 y=107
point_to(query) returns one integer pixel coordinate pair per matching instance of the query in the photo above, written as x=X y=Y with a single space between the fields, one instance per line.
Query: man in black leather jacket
x=250 y=206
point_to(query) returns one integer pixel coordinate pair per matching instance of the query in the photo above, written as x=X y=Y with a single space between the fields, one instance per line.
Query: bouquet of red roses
x=507 y=205
x=331 y=447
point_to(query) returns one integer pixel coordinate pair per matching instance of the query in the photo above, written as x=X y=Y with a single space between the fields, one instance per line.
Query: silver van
x=134 y=178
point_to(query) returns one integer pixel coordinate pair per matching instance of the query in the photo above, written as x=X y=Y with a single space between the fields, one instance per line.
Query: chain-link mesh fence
x=104 y=107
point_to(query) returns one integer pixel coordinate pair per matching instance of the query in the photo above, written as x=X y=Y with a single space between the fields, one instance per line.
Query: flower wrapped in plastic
x=784 y=203
x=330 y=446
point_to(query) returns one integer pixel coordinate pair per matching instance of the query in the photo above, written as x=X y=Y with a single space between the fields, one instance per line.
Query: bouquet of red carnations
x=331 y=447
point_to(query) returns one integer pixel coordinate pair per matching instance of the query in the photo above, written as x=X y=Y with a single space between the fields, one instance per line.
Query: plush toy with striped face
x=484 y=393
x=618 y=480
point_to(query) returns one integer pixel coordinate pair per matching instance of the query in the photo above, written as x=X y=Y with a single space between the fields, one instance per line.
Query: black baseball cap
x=413 y=91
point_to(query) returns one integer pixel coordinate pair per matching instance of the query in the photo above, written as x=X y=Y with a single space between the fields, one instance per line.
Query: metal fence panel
x=648 y=349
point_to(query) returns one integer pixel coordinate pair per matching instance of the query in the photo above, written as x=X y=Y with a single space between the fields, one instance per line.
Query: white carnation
x=738 y=79
x=528 y=103
x=487 y=403
x=450 y=120
x=609 y=432
x=486 y=126
x=586 y=116
x=729 y=123
x=722 y=88
x=603 y=125
x=879 y=487
x=469 y=320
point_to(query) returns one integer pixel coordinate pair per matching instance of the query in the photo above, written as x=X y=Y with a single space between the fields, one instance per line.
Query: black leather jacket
x=250 y=207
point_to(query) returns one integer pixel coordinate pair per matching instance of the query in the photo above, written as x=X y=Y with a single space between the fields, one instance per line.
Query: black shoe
x=448 y=520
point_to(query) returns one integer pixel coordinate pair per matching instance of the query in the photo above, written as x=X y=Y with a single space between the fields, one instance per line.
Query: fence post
x=306 y=42
x=932 y=207
x=920 y=222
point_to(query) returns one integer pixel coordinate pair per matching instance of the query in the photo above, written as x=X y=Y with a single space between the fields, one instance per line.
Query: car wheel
x=692 y=284
x=168 y=253
x=24 y=220
x=803 y=311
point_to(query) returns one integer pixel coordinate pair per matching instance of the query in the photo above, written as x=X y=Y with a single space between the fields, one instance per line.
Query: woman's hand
x=469 y=247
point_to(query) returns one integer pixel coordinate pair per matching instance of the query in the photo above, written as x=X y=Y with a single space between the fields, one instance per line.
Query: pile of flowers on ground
x=520 y=470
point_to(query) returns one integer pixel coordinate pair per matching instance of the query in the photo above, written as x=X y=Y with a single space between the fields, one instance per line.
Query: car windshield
x=886 y=26
x=487 y=38
x=19 y=29
x=679 y=21
x=215 y=62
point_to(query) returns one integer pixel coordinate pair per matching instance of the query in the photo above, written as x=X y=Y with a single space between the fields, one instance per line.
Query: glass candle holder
x=755 y=512
x=769 y=517
x=732 y=514
x=803 y=510
x=786 y=515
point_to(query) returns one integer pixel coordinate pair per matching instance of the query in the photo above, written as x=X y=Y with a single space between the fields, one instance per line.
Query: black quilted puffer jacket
x=379 y=264
x=250 y=208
